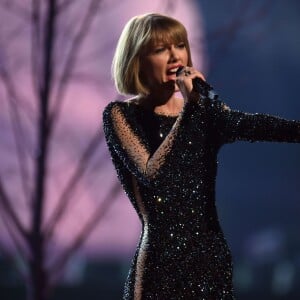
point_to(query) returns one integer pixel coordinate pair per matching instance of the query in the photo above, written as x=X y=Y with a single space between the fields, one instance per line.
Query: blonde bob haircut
x=140 y=34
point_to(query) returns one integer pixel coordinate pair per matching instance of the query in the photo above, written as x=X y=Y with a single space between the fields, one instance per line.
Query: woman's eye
x=159 y=49
x=181 y=45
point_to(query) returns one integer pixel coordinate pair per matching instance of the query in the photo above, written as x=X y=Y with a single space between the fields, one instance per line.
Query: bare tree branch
x=67 y=193
x=39 y=275
x=16 y=9
x=87 y=229
x=11 y=90
x=62 y=7
x=18 y=130
x=21 y=143
x=22 y=251
x=11 y=34
x=70 y=61
x=5 y=202
x=87 y=79
x=36 y=46
x=21 y=156
x=43 y=125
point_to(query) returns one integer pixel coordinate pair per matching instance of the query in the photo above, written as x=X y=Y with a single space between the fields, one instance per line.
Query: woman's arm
x=123 y=140
x=233 y=125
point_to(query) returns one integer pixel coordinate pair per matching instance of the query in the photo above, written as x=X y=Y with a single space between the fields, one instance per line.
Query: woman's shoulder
x=124 y=105
x=133 y=100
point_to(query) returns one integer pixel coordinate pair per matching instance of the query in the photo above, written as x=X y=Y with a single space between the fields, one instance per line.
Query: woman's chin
x=176 y=88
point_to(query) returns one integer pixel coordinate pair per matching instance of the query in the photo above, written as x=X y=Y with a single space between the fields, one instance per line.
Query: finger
x=184 y=82
x=190 y=71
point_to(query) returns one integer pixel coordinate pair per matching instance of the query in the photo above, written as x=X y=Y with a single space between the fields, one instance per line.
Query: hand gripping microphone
x=201 y=86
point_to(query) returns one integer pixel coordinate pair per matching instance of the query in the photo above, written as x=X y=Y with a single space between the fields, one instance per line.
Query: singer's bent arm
x=123 y=141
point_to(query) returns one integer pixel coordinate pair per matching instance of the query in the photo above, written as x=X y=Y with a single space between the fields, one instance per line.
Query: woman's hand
x=185 y=80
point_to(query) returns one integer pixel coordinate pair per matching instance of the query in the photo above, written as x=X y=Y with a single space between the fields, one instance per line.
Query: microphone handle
x=201 y=86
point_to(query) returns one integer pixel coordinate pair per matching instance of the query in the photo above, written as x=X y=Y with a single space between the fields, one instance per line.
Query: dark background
x=258 y=183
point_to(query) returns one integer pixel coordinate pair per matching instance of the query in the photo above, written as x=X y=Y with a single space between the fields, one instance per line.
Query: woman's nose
x=173 y=53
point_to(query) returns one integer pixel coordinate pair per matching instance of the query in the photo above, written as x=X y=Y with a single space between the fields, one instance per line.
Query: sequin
x=167 y=166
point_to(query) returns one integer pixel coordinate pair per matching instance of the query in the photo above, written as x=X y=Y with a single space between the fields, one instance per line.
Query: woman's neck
x=171 y=106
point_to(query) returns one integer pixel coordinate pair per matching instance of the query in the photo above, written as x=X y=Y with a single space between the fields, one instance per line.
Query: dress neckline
x=157 y=114
x=164 y=115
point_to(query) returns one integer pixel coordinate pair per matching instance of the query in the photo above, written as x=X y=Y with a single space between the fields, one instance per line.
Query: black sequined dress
x=167 y=166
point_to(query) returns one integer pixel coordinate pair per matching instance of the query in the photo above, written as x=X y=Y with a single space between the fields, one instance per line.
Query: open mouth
x=172 y=71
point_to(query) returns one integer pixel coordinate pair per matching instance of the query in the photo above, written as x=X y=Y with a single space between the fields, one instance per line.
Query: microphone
x=201 y=86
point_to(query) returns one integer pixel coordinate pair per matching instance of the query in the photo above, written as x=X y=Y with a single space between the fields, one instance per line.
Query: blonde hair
x=138 y=34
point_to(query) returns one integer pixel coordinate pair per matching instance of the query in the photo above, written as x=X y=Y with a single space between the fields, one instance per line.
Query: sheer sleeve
x=232 y=125
x=125 y=141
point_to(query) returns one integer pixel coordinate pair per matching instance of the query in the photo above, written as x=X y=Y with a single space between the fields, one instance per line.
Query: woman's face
x=160 y=64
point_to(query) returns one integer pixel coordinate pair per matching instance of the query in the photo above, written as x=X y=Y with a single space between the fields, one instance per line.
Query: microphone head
x=180 y=69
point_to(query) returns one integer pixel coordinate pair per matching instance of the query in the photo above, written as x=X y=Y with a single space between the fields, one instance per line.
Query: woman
x=164 y=149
